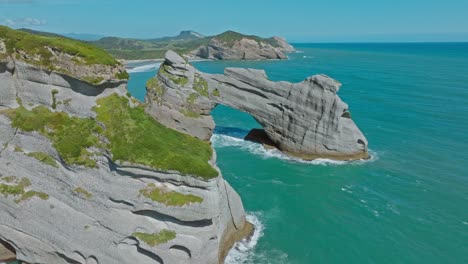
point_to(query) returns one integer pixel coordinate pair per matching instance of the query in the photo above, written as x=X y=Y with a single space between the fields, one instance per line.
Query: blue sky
x=297 y=20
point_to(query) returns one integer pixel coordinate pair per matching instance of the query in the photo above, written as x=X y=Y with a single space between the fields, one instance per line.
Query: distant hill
x=229 y=45
x=185 y=35
x=195 y=45
x=84 y=36
x=41 y=33
x=77 y=36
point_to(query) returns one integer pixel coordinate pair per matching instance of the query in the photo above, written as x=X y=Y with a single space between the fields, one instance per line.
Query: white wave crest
x=243 y=251
x=145 y=68
x=221 y=141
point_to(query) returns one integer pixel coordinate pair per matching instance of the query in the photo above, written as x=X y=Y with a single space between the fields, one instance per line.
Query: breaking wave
x=145 y=68
x=222 y=141
x=243 y=251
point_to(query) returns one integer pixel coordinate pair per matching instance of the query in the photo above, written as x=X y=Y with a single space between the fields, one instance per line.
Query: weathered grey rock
x=305 y=119
x=284 y=45
x=70 y=228
x=243 y=49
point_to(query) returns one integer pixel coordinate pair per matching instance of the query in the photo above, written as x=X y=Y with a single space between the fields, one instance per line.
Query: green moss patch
x=71 y=136
x=83 y=192
x=122 y=75
x=16 y=187
x=179 y=80
x=157 y=238
x=44 y=158
x=201 y=86
x=167 y=197
x=38 y=46
x=215 y=92
x=136 y=137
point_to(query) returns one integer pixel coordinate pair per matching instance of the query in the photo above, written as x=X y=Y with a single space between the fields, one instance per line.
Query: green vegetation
x=29 y=194
x=190 y=113
x=37 y=48
x=19 y=189
x=192 y=98
x=157 y=238
x=44 y=158
x=8 y=179
x=167 y=197
x=67 y=101
x=134 y=49
x=71 y=136
x=83 y=192
x=215 y=92
x=136 y=137
x=93 y=80
x=122 y=75
x=201 y=86
x=179 y=80
x=54 y=100
x=230 y=38
x=18 y=149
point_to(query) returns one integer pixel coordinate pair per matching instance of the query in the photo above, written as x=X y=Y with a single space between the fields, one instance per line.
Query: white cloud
x=25 y=21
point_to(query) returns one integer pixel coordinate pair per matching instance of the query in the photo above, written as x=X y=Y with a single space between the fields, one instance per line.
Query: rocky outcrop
x=54 y=212
x=305 y=119
x=234 y=46
x=284 y=45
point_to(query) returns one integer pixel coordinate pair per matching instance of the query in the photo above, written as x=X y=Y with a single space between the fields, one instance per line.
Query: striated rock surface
x=55 y=212
x=235 y=46
x=305 y=119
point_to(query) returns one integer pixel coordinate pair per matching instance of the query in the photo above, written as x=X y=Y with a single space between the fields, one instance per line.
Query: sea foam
x=145 y=68
x=243 y=251
x=221 y=141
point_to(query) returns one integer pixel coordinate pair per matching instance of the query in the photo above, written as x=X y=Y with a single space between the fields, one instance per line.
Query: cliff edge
x=86 y=176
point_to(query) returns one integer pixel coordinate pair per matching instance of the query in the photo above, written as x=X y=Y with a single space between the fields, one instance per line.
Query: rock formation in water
x=69 y=194
x=305 y=119
x=235 y=46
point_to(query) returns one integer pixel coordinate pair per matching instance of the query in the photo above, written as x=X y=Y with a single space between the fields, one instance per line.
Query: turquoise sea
x=409 y=204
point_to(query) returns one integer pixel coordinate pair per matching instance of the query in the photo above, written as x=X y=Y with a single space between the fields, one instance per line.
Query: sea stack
x=306 y=119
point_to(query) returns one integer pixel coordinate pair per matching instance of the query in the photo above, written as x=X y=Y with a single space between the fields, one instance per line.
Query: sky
x=297 y=20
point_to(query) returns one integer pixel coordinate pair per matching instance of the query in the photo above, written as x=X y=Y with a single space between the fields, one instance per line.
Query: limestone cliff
x=305 y=119
x=69 y=194
x=235 y=46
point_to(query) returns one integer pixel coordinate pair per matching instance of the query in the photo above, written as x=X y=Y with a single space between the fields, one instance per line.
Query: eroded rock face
x=305 y=119
x=96 y=223
x=243 y=49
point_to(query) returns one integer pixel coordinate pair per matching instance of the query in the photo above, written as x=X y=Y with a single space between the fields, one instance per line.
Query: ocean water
x=408 y=204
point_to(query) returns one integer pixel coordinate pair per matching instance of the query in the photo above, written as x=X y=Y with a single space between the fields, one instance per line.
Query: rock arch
x=305 y=119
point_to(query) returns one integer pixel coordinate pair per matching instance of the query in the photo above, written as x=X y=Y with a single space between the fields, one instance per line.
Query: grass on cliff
x=133 y=136
x=157 y=238
x=36 y=45
x=136 y=137
x=167 y=197
x=16 y=187
x=71 y=136
x=231 y=37
x=44 y=158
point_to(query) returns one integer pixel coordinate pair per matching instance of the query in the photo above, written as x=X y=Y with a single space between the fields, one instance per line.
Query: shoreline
x=125 y=62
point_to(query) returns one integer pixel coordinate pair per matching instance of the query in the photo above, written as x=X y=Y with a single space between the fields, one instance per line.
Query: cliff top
x=38 y=46
x=230 y=37
x=74 y=58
